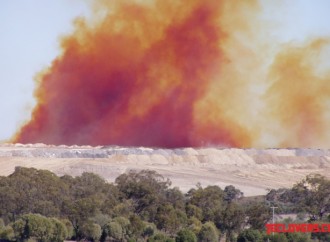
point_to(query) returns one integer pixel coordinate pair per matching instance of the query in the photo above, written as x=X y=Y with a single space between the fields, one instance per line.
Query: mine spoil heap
x=251 y=170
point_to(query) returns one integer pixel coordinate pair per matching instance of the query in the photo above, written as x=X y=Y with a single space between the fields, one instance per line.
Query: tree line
x=37 y=205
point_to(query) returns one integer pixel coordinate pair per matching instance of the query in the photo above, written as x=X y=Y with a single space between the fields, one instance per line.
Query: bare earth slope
x=251 y=170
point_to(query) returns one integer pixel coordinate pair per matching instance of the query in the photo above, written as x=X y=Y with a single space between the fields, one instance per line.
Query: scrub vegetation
x=37 y=205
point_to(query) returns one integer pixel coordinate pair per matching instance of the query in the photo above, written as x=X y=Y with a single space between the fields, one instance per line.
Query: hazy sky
x=29 y=41
x=30 y=30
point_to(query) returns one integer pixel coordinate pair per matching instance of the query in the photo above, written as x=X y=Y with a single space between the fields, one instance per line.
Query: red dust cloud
x=173 y=74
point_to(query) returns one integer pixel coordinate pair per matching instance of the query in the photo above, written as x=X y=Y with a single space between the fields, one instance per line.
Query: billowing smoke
x=179 y=73
x=299 y=97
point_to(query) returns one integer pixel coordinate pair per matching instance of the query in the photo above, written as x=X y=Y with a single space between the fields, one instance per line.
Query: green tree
x=59 y=230
x=258 y=215
x=32 y=191
x=186 y=235
x=91 y=231
x=19 y=227
x=249 y=235
x=125 y=225
x=194 y=224
x=7 y=233
x=149 y=230
x=2 y=223
x=194 y=211
x=38 y=227
x=313 y=195
x=300 y=237
x=169 y=219
x=231 y=220
x=209 y=199
x=89 y=196
x=278 y=237
x=208 y=233
x=136 y=225
x=147 y=189
x=33 y=226
x=232 y=194
x=175 y=197
x=69 y=228
x=114 y=231
x=79 y=211
x=160 y=238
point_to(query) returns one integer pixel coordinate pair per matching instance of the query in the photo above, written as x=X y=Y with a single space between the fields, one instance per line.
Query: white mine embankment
x=253 y=171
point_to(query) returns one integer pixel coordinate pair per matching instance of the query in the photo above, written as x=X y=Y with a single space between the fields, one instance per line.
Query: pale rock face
x=251 y=170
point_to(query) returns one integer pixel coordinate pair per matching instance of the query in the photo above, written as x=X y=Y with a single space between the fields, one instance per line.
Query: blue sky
x=30 y=30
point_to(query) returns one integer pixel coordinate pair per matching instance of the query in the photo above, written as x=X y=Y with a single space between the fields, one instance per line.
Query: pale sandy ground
x=252 y=171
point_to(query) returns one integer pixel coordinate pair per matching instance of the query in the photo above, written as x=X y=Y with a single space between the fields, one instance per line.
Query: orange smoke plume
x=181 y=73
x=299 y=97
x=134 y=77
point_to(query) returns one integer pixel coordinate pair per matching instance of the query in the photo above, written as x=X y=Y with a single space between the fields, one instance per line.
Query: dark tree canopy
x=37 y=205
